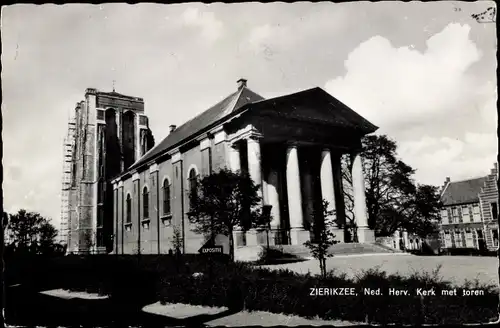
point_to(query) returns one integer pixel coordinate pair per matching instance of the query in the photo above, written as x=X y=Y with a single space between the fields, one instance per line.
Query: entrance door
x=480 y=241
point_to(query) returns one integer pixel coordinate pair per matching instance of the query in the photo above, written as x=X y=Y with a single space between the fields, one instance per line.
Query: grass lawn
x=455 y=269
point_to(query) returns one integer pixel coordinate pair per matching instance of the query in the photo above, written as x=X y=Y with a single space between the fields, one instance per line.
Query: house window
x=447 y=239
x=454 y=212
x=494 y=211
x=469 y=239
x=465 y=214
x=166 y=197
x=476 y=213
x=494 y=234
x=145 y=203
x=193 y=185
x=444 y=216
x=458 y=239
x=129 y=209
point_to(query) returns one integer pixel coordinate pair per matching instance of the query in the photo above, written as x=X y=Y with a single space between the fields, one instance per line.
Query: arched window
x=166 y=197
x=129 y=209
x=145 y=203
x=193 y=184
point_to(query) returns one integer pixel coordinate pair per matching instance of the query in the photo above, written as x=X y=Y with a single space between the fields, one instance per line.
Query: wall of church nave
x=219 y=153
x=163 y=216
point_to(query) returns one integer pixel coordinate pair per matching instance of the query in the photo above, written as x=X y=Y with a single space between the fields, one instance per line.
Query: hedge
x=236 y=285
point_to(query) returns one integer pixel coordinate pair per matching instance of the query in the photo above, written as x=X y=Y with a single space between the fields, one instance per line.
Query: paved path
x=61 y=293
x=195 y=315
x=215 y=316
x=453 y=268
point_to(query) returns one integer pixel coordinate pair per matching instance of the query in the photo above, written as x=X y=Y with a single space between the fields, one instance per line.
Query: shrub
x=149 y=278
x=274 y=255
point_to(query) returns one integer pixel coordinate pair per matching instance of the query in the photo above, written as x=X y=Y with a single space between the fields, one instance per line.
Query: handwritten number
x=457 y=9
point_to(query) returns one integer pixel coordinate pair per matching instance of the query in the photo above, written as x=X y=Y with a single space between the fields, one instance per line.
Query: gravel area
x=61 y=293
x=240 y=319
x=266 y=319
x=456 y=269
x=182 y=311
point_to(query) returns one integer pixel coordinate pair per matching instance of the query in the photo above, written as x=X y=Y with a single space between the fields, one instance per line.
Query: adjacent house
x=488 y=199
x=469 y=218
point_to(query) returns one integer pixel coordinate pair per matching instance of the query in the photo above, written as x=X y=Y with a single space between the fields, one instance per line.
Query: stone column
x=297 y=233
x=307 y=190
x=255 y=172
x=234 y=157
x=328 y=191
x=365 y=235
x=273 y=198
x=254 y=163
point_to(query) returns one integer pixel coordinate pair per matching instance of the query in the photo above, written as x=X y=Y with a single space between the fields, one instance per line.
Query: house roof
x=313 y=104
x=462 y=192
x=213 y=114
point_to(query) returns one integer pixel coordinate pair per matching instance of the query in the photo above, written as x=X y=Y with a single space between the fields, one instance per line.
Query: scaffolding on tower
x=68 y=158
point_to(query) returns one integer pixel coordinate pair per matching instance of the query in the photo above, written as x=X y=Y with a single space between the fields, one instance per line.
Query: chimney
x=446 y=182
x=172 y=128
x=242 y=83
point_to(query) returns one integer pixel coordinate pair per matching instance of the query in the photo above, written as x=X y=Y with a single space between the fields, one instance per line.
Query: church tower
x=108 y=134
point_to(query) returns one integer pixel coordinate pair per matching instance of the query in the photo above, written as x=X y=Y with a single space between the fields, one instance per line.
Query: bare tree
x=346 y=166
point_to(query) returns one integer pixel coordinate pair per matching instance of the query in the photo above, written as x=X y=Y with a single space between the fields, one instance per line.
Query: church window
x=166 y=197
x=145 y=203
x=129 y=209
x=100 y=114
x=193 y=185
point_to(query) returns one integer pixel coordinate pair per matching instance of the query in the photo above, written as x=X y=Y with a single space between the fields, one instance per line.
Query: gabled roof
x=462 y=192
x=318 y=105
x=213 y=114
x=315 y=105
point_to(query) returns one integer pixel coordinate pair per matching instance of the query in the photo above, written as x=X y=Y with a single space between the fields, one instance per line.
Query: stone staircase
x=251 y=253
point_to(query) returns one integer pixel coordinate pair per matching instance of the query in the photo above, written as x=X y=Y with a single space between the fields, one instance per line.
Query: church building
x=289 y=145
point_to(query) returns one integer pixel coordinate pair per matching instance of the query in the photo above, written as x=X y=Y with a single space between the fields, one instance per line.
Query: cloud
x=392 y=85
x=442 y=118
x=211 y=28
x=459 y=159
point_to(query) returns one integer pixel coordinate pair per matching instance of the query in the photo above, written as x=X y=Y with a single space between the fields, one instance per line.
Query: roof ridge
x=470 y=179
x=234 y=101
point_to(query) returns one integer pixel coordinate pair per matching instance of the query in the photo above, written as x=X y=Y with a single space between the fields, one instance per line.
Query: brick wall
x=177 y=173
x=489 y=198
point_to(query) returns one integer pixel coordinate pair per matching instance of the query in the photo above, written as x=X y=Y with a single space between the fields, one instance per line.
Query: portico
x=297 y=169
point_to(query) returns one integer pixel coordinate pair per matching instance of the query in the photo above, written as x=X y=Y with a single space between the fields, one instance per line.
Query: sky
x=425 y=73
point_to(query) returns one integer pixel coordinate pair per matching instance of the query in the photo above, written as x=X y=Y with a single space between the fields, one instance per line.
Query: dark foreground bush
x=200 y=281
x=274 y=255
x=467 y=251
x=239 y=286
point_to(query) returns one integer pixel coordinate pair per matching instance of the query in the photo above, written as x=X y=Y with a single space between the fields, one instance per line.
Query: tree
x=222 y=201
x=346 y=166
x=388 y=180
x=423 y=217
x=29 y=232
x=393 y=199
x=24 y=228
x=325 y=239
x=177 y=242
x=47 y=235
